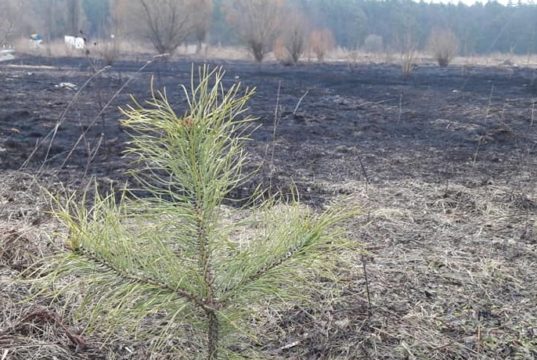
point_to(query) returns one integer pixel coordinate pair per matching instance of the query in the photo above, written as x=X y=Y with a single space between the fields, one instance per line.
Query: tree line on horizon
x=479 y=28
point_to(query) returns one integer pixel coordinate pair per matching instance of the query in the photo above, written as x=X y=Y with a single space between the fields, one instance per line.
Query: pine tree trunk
x=212 y=336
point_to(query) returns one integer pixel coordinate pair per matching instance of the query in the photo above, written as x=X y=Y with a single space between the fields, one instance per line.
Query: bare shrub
x=320 y=42
x=281 y=53
x=256 y=22
x=443 y=45
x=408 y=52
x=202 y=15
x=14 y=17
x=374 y=43
x=408 y=60
x=165 y=23
x=294 y=36
x=290 y=46
x=108 y=50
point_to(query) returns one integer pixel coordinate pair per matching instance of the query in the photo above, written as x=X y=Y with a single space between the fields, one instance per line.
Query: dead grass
x=498 y=60
x=128 y=49
x=450 y=272
x=107 y=50
x=53 y=49
x=450 y=275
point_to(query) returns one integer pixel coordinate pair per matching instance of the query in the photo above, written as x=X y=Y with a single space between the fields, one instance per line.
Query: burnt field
x=443 y=164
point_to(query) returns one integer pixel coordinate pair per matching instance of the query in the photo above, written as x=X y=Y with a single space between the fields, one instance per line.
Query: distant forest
x=480 y=28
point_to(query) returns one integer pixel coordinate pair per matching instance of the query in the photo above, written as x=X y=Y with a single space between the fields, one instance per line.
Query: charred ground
x=443 y=163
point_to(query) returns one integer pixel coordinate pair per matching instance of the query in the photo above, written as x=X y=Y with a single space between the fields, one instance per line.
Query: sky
x=471 y=2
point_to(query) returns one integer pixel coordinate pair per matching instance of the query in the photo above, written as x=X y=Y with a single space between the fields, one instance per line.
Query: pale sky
x=470 y=2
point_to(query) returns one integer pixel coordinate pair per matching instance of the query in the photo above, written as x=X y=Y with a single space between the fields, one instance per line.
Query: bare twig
x=477 y=150
x=400 y=107
x=54 y=131
x=91 y=156
x=274 y=132
x=490 y=102
x=45 y=315
x=369 y=305
x=300 y=102
x=364 y=172
x=532 y=111
x=98 y=116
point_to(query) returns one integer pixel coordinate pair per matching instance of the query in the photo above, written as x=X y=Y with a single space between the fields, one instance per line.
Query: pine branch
x=275 y=263
x=181 y=293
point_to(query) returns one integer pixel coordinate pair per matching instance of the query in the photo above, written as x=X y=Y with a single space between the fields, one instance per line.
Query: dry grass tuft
x=408 y=62
x=16 y=250
x=444 y=45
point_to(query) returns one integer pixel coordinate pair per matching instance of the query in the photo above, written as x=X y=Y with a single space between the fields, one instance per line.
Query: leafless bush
x=373 y=43
x=281 y=53
x=14 y=17
x=108 y=50
x=408 y=60
x=320 y=42
x=443 y=45
x=290 y=46
x=202 y=15
x=408 y=51
x=165 y=23
x=257 y=23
